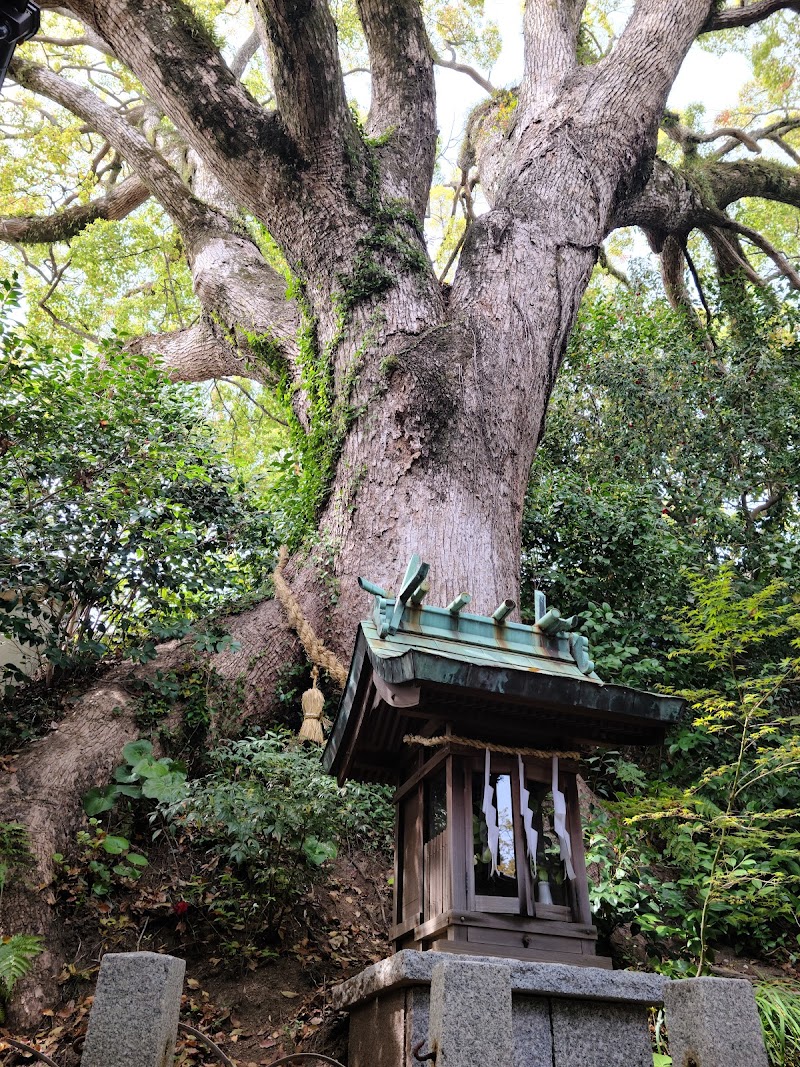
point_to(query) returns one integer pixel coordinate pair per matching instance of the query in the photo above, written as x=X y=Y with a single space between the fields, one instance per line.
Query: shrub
x=274 y=817
x=121 y=520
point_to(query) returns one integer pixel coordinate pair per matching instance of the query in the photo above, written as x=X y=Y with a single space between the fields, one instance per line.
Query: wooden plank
x=397 y=889
x=434 y=866
x=521 y=865
x=559 y=912
x=457 y=819
x=465 y=948
x=412 y=856
x=516 y=923
x=583 y=910
x=524 y=923
x=367 y=700
x=570 y=946
x=426 y=768
x=498 y=905
x=401 y=929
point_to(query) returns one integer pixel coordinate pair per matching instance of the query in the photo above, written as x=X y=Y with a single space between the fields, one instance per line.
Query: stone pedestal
x=134 y=1018
x=477 y=1010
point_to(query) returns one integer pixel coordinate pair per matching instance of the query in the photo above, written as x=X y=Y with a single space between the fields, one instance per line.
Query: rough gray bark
x=42 y=791
x=438 y=396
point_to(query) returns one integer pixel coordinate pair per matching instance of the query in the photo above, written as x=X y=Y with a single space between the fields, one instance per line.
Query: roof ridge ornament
x=549 y=623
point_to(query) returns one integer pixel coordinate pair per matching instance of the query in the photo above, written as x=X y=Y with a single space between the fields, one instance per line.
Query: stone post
x=470 y=1013
x=713 y=1022
x=134 y=1018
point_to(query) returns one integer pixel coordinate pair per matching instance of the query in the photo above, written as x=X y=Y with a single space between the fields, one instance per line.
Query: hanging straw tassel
x=313 y=703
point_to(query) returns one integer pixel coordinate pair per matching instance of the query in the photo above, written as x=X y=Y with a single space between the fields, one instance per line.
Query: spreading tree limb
x=747 y=15
x=182 y=69
x=114 y=205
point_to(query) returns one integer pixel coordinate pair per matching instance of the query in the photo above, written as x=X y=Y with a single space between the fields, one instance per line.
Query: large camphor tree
x=417 y=406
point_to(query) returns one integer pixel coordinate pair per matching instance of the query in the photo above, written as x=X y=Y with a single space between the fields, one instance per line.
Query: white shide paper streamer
x=490 y=814
x=531 y=835
x=560 y=823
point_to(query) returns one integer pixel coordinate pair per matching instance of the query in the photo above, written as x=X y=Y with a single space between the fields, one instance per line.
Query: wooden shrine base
x=511 y=936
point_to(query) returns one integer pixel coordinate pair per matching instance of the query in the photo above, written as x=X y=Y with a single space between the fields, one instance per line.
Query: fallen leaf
x=288 y=993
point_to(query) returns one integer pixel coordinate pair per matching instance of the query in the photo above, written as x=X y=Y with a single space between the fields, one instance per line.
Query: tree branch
x=114 y=205
x=188 y=212
x=171 y=53
x=403 y=107
x=729 y=256
x=649 y=54
x=195 y=354
x=551 y=41
x=246 y=52
x=778 y=258
x=254 y=402
x=673 y=263
x=764 y=178
x=605 y=263
x=230 y=276
x=306 y=72
x=670 y=202
x=748 y=15
x=465 y=68
x=774 y=498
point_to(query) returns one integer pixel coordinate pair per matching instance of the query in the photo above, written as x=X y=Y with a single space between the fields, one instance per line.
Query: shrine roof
x=538 y=681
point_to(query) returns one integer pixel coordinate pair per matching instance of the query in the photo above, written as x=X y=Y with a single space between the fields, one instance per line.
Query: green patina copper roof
x=497 y=680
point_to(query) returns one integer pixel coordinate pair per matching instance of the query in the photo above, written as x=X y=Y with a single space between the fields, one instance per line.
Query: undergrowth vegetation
x=251 y=828
x=663 y=508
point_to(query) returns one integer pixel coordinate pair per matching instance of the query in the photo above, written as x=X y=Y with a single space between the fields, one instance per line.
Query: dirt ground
x=255 y=1009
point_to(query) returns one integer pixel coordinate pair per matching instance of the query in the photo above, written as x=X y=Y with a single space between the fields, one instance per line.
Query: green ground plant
x=779 y=1007
x=271 y=818
x=140 y=775
x=104 y=860
x=17 y=954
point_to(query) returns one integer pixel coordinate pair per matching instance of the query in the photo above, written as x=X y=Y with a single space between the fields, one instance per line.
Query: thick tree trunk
x=42 y=791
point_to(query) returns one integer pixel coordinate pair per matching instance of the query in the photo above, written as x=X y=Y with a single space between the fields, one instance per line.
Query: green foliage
x=15 y=852
x=727 y=828
x=141 y=775
x=274 y=818
x=657 y=460
x=663 y=509
x=779 y=1008
x=17 y=953
x=105 y=860
x=464 y=27
x=120 y=518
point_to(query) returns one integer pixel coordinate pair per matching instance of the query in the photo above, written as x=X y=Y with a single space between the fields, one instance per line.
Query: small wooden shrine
x=480 y=723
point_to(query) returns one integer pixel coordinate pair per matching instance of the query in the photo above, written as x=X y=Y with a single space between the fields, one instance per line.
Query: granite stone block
x=418 y=1017
x=470 y=1013
x=532 y=1036
x=409 y=967
x=134 y=1018
x=587 y=1034
x=377 y=1031
x=713 y=1022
